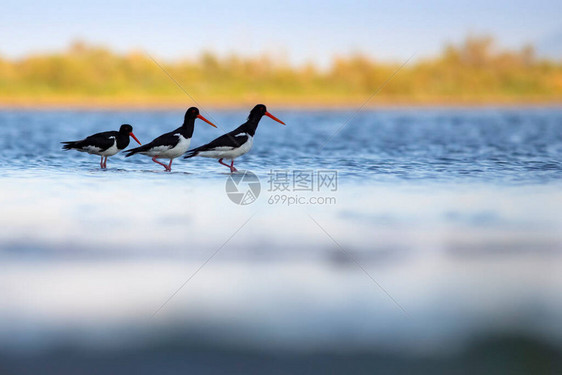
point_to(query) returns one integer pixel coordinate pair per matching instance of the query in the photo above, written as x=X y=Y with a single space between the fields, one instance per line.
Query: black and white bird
x=237 y=142
x=105 y=144
x=172 y=144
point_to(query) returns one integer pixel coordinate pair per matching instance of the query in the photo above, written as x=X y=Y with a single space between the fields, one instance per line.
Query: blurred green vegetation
x=475 y=71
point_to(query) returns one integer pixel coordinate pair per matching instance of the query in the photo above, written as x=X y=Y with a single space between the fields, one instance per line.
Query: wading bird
x=237 y=142
x=172 y=144
x=105 y=144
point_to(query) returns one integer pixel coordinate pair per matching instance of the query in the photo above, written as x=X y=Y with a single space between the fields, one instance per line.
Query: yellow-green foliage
x=473 y=71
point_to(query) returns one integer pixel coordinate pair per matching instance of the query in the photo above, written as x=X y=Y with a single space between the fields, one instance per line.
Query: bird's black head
x=126 y=131
x=125 y=128
x=258 y=111
x=191 y=113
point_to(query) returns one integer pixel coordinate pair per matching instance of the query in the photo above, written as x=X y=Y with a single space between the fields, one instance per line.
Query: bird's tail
x=69 y=145
x=133 y=151
x=191 y=153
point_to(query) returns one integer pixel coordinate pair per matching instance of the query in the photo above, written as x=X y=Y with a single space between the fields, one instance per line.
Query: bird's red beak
x=275 y=118
x=207 y=121
x=135 y=138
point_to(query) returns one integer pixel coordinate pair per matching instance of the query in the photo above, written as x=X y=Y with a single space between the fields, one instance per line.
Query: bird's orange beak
x=275 y=118
x=207 y=121
x=135 y=138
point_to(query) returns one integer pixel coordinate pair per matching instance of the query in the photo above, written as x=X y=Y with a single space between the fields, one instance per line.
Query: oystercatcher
x=104 y=144
x=172 y=144
x=237 y=142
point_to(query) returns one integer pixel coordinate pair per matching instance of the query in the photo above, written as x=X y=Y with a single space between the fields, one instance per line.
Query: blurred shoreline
x=109 y=103
x=475 y=73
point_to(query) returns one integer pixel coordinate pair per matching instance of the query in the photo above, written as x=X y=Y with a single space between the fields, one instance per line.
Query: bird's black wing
x=169 y=140
x=102 y=141
x=229 y=140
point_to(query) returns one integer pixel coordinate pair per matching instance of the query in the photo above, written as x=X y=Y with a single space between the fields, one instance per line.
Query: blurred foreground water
x=439 y=252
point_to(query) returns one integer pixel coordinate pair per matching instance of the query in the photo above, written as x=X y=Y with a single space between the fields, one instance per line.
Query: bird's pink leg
x=157 y=162
x=170 y=165
x=226 y=165
x=232 y=169
x=105 y=163
x=101 y=163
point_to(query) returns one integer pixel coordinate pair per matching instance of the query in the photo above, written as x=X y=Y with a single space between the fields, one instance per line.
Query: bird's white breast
x=98 y=151
x=168 y=152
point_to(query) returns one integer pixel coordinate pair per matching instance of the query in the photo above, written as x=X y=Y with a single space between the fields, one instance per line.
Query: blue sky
x=301 y=31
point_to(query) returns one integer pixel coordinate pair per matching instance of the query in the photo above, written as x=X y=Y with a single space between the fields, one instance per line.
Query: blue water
x=466 y=145
x=439 y=248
